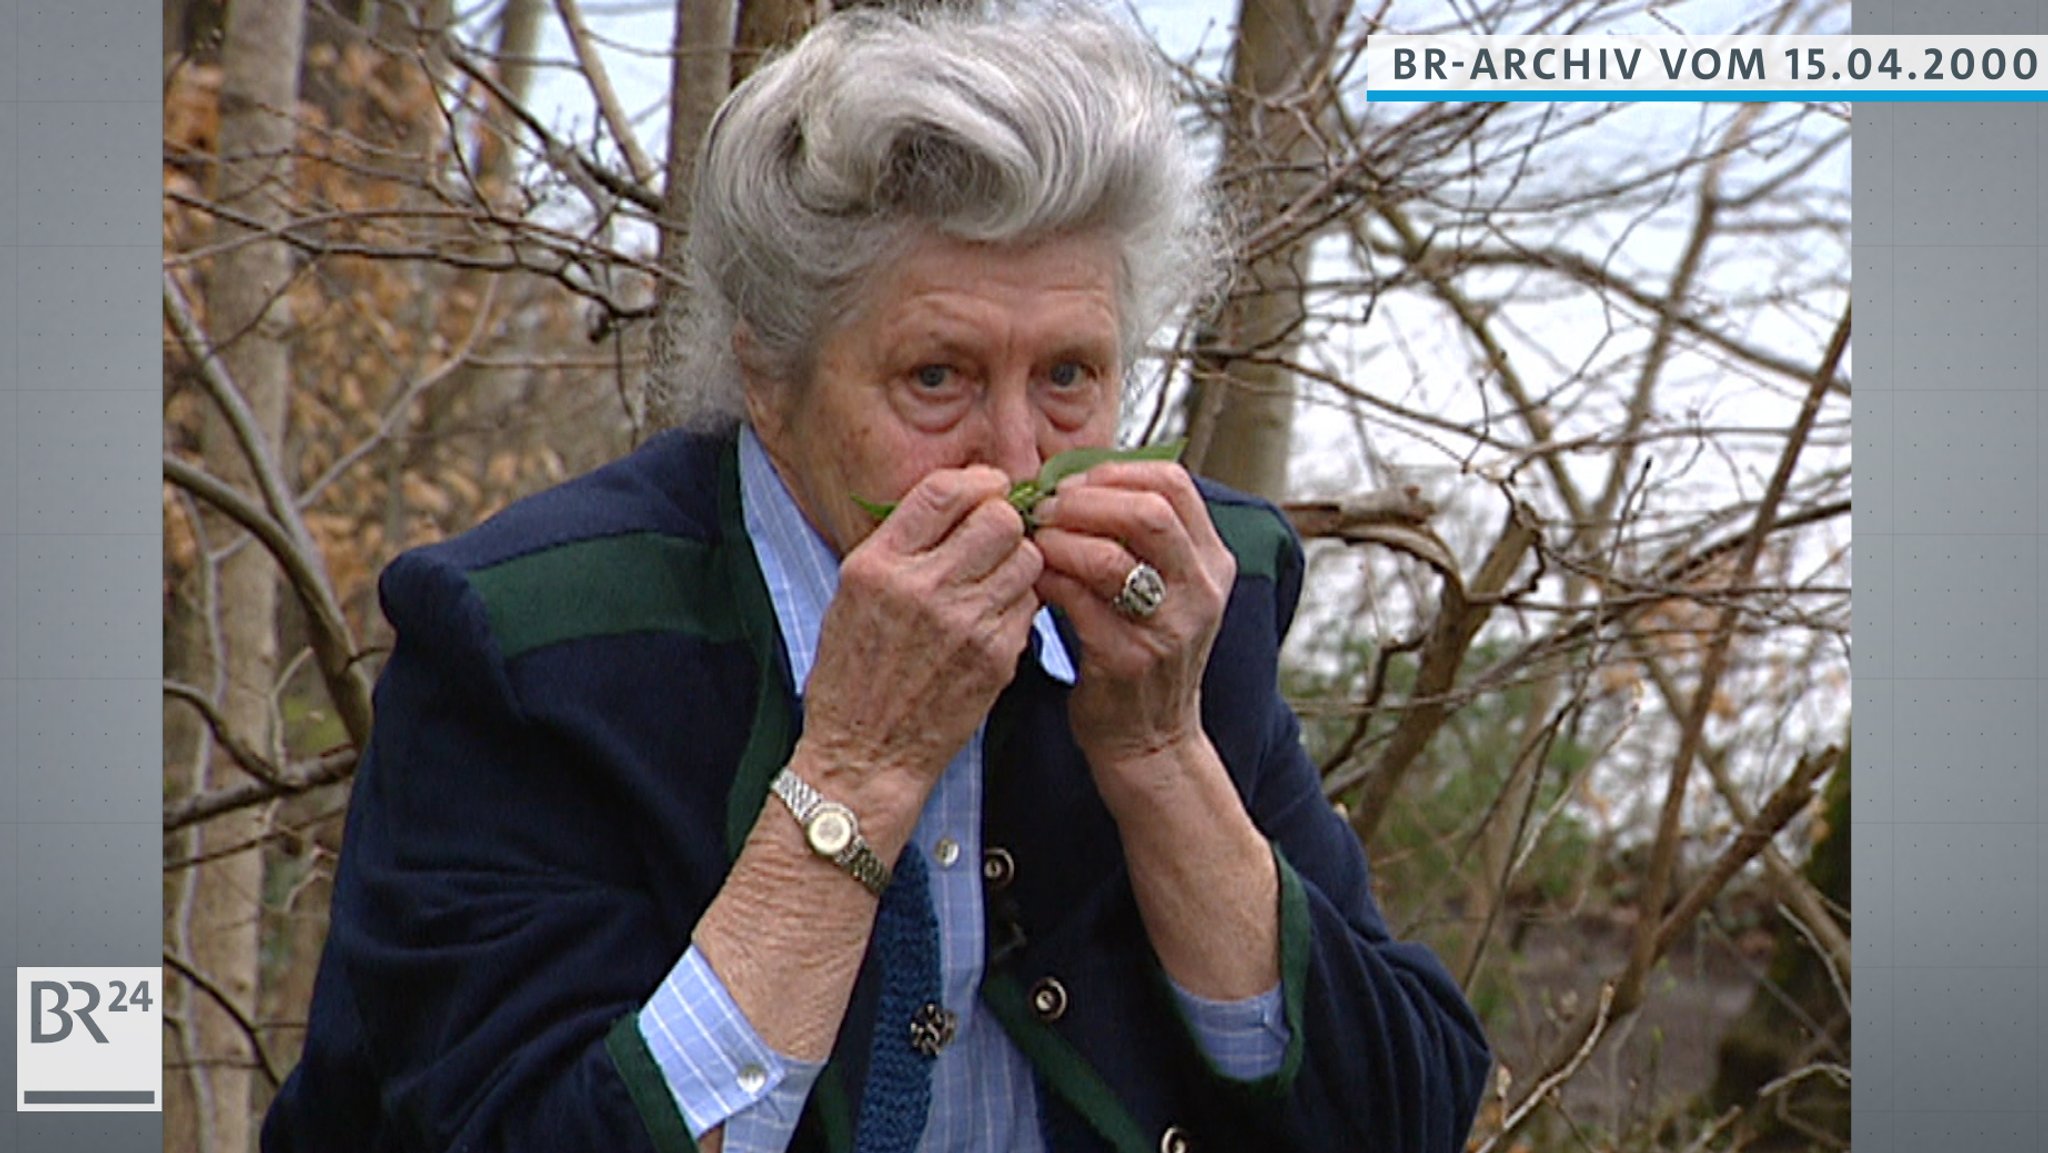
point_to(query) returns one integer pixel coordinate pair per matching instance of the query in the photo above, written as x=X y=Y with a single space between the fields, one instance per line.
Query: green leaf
x=1025 y=494
x=1080 y=460
x=878 y=511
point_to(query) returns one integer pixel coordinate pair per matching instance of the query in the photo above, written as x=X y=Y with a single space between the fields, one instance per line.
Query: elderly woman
x=705 y=810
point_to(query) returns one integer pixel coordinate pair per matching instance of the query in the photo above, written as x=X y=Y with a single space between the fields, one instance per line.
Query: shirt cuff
x=718 y=1069
x=1245 y=1040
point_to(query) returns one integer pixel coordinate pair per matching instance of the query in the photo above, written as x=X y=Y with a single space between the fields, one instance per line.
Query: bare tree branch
x=600 y=82
x=340 y=670
x=564 y=159
x=251 y=762
x=1461 y=612
x=1579 y=1040
x=327 y=769
x=1664 y=852
x=214 y=993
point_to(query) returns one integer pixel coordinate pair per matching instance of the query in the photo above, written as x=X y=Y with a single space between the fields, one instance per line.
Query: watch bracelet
x=866 y=866
x=797 y=794
x=858 y=859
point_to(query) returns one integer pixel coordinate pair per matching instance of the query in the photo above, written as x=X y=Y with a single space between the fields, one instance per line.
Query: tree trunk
x=191 y=29
x=250 y=321
x=188 y=659
x=698 y=84
x=518 y=41
x=1243 y=414
x=764 y=26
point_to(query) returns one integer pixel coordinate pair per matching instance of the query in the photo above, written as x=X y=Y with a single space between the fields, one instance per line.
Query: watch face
x=831 y=829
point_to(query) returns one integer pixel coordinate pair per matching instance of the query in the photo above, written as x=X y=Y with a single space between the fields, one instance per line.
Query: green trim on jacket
x=1259 y=539
x=1065 y=1071
x=634 y=582
x=776 y=725
x=647 y=1087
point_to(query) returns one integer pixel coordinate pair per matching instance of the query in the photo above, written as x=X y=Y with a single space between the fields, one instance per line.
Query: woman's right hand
x=933 y=611
x=934 y=607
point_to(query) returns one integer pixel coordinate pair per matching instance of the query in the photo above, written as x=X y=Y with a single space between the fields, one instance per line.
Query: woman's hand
x=933 y=610
x=1136 y=710
x=1204 y=878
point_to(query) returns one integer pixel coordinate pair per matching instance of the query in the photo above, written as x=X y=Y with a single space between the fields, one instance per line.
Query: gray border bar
x=88 y=1097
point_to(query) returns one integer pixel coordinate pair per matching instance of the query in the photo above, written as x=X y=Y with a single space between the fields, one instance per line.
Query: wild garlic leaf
x=1025 y=494
x=878 y=511
x=1080 y=460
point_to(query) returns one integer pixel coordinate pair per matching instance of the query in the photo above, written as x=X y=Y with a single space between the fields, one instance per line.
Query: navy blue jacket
x=574 y=733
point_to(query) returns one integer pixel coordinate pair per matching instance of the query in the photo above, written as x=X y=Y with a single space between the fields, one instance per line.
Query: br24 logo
x=64 y=1015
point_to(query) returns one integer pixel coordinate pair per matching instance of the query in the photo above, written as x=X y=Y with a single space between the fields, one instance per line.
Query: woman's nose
x=1013 y=434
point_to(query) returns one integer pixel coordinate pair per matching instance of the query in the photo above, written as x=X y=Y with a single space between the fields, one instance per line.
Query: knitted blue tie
x=906 y=943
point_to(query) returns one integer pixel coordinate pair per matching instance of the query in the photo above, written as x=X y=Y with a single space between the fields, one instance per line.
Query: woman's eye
x=934 y=376
x=1067 y=373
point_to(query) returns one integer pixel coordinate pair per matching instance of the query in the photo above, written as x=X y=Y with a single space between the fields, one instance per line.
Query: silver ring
x=1143 y=592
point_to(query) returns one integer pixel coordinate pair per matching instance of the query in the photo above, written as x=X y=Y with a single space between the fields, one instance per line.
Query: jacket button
x=1049 y=999
x=998 y=869
x=1174 y=1141
x=932 y=1028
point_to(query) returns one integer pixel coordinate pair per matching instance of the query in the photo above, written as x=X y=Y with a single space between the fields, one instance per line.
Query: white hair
x=879 y=127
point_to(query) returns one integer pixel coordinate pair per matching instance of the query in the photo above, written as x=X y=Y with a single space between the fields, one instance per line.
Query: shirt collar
x=802 y=573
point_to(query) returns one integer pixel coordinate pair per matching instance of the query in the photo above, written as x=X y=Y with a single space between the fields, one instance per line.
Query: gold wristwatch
x=832 y=831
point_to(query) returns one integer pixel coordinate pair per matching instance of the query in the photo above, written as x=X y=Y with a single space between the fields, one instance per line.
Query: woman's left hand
x=1203 y=874
x=1136 y=710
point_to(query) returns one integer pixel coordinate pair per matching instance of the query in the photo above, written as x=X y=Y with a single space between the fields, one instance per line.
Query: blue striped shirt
x=719 y=1069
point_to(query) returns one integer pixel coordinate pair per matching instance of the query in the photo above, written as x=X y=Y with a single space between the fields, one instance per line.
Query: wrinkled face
x=959 y=354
